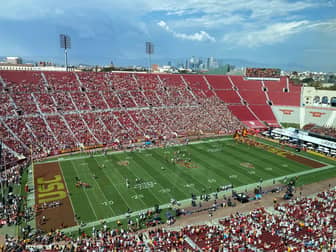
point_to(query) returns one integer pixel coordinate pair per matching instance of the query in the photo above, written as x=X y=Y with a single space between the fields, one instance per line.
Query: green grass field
x=213 y=164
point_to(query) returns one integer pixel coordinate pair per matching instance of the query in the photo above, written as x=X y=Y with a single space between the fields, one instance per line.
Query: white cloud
x=326 y=26
x=21 y=9
x=274 y=33
x=197 y=36
x=208 y=21
x=163 y=25
x=254 y=19
x=270 y=34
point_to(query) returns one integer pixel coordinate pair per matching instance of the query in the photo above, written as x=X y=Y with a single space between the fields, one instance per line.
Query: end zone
x=52 y=204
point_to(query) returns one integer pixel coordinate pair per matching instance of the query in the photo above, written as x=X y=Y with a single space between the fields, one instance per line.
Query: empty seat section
x=294 y=88
x=219 y=81
x=265 y=113
x=245 y=116
x=228 y=96
x=276 y=86
x=242 y=84
x=253 y=97
x=285 y=99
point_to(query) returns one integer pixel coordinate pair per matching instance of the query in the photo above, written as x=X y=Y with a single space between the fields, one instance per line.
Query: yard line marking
x=178 y=177
x=103 y=194
x=69 y=195
x=153 y=179
x=188 y=201
x=87 y=196
x=116 y=188
x=122 y=184
x=69 y=157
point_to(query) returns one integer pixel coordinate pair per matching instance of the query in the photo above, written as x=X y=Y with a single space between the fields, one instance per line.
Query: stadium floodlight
x=65 y=43
x=149 y=51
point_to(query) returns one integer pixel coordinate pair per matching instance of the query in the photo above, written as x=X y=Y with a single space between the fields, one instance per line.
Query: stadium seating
x=198 y=85
x=243 y=84
x=6 y=108
x=76 y=109
x=23 y=81
x=219 y=82
x=278 y=96
x=265 y=114
x=301 y=224
x=228 y=96
x=62 y=81
x=244 y=115
x=41 y=116
x=324 y=131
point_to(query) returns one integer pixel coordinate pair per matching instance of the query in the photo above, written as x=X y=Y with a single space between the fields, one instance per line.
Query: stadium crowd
x=301 y=224
x=324 y=131
x=10 y=179
x=70 y=111
x=67 y=111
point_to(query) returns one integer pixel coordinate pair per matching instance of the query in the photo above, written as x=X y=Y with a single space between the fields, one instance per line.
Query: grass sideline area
x=205 y=167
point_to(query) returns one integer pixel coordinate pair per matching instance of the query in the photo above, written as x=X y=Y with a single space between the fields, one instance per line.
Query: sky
x=285 y=33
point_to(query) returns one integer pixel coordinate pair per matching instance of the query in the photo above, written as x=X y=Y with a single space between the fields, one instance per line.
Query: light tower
x=65 y=43
x=149 y=51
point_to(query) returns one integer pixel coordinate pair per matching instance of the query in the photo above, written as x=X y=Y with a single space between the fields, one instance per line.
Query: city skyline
x=275 y=33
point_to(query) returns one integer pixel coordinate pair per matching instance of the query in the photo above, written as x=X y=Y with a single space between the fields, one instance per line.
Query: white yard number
x=108 y=203
x=165 y=190
x=212 y=180
x=137 y=196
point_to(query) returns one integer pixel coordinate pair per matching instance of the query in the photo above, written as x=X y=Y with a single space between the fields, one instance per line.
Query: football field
x=137 y=180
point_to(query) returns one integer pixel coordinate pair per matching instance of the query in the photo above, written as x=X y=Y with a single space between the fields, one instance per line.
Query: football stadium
x=145 y=161
x=123 y=148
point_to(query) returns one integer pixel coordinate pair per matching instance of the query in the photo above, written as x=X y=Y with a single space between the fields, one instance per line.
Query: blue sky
x=274 y=32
